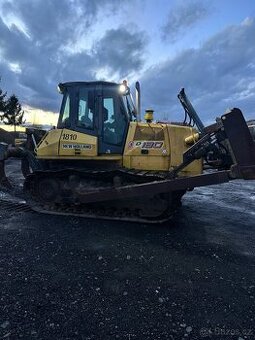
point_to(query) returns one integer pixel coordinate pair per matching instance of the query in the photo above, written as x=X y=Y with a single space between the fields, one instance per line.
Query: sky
x=207 y=47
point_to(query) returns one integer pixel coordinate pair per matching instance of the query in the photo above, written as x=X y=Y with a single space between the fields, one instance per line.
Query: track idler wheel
x=48 y=190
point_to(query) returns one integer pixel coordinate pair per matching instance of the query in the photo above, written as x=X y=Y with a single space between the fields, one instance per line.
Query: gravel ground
x=73 y=278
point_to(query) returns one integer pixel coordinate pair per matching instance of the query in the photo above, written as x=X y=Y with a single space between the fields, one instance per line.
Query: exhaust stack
x=138 y=100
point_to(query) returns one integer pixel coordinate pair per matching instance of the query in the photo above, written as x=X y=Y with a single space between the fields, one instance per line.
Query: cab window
x=114 y=122
x=85 y=109
x=66 y=112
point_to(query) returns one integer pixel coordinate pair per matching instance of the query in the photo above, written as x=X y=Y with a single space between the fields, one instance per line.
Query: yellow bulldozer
x=103 y=161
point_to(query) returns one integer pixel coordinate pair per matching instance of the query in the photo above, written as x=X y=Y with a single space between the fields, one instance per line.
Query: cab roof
x=80 y=83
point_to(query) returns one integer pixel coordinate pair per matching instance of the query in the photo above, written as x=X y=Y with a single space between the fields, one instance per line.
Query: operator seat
x=86 y=121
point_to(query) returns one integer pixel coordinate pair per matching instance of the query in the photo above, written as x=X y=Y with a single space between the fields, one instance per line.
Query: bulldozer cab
x=97 y=109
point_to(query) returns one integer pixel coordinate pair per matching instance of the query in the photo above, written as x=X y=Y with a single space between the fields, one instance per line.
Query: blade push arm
x=241 y=146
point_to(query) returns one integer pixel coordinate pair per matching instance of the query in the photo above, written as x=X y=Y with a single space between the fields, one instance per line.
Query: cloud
x=51 y=24
x=40 y=46
x=218 y=75
x=183 y=17
x=121 y=50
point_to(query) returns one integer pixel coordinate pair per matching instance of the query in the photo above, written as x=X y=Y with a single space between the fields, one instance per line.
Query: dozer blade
x=241 y=142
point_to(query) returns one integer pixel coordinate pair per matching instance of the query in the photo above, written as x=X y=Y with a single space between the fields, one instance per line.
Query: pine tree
x=13 y=113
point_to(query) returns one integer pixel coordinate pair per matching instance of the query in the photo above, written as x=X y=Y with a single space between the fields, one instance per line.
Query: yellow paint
x=177 y=135
x=157 y=158
x=149 y=146
x=76 y=143
x=66 y=143
x=163 y=158
x=49 y=144
x=192 y=139
x=148 y=115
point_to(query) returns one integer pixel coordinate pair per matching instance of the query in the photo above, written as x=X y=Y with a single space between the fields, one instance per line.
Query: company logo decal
x=145 y=144
x=77 y=146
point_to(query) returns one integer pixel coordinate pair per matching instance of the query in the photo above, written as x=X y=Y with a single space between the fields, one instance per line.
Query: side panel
x=147 y=147
x=74 y=143
x=67 y=143
x=49 y=145
x=158 y=147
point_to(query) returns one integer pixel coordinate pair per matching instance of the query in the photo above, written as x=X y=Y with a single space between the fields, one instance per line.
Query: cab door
x=79 y=123
x=113 y=123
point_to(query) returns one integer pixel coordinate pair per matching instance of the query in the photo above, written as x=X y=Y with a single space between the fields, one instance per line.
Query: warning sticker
x=77 y=146
x=145 y=144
